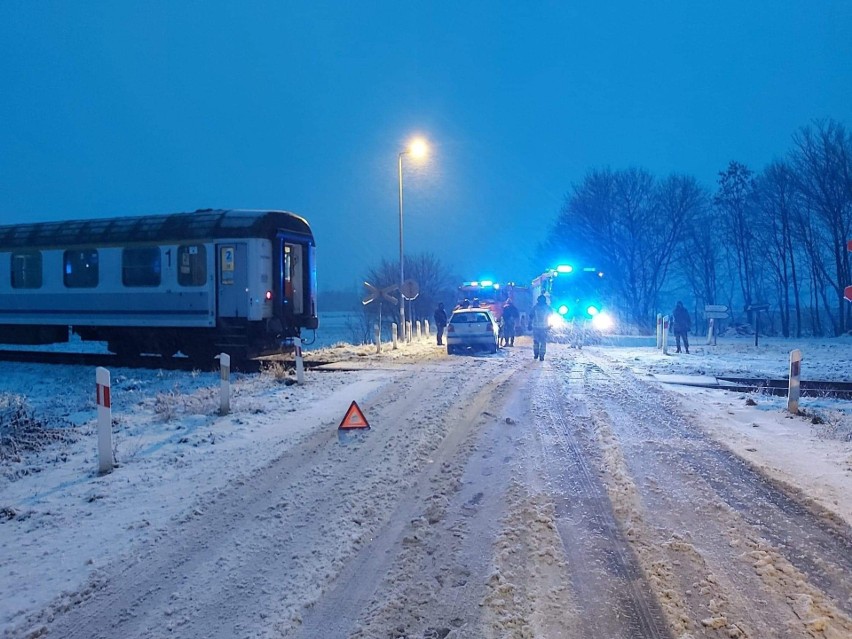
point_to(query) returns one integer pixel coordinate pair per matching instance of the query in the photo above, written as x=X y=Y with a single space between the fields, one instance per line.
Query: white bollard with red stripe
x=224 y=383
x=300 y=363
x=794 y=382
x=665 y=340
x=102 y=387
x=659 y=330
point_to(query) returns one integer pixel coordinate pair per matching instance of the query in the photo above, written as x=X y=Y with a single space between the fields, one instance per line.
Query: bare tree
x=699 y=256
x=436 y=284
x=776 y=197
x=734 y=200
x=633 y=225
x=821 y=162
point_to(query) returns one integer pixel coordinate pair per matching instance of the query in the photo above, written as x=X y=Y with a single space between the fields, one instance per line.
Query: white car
x=474 y=328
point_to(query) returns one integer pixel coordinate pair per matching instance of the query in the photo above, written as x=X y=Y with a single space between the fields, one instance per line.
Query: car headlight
x=563 y=310
x=603 y=322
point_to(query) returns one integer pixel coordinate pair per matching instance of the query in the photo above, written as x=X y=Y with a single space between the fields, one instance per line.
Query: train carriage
x=214 y=280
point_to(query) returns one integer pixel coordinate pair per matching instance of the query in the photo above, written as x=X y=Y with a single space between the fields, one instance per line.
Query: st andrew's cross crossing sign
x=374 y=293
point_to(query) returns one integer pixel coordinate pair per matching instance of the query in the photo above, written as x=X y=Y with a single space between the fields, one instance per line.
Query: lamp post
x=417 y=148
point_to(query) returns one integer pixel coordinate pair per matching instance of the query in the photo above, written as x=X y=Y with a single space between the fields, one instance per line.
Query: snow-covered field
x=61 y=523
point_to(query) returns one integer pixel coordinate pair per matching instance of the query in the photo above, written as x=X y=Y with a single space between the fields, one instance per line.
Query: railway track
x=109 y=360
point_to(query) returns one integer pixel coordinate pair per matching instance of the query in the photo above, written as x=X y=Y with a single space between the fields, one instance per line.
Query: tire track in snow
x=608 y=583
x=721 y=514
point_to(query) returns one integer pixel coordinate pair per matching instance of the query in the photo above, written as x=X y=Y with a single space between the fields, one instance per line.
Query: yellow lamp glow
x=418 y=147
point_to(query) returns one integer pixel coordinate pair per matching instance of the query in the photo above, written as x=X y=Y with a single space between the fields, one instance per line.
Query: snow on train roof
x=203 y=224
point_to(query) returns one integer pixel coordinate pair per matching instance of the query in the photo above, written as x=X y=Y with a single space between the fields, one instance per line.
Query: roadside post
x=756 y=308
x=409 y=290
x=377 y=333
x=711 y=336
x=102 y=394
x=225 y=383
x=795 y=381
x=847 y=292
x=300 y=363
x=659 y=330
x=665 y=337
x=426 y=333
x=417 y=331
x=394 y=335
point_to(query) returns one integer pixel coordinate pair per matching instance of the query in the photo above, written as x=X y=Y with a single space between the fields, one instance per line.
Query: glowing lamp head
x=592 y=310
x=418 y=148
x=563 y=310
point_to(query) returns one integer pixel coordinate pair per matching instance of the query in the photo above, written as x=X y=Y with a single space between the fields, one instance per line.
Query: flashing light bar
x=589 y=269
x=564 y=268
x=486 y=283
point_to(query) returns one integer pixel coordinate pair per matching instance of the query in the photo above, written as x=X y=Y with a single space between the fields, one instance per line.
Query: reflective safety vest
x=540 y=316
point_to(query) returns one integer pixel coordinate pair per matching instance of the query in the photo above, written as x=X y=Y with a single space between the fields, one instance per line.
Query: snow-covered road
x=494 y=497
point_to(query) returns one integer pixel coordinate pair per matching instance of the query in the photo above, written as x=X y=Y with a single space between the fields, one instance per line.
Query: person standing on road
x=440 y=322
x=510 y=321
x=540 y=326
x=680 y=326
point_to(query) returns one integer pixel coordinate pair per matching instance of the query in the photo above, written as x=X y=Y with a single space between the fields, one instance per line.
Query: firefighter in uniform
x=540 y=326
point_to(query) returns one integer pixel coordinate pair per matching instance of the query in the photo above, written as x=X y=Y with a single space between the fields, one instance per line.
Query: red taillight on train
x=268 y=295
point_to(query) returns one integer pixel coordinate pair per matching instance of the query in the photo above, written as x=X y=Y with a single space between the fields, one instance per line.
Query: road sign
x=374 y=293
x=410 y=289
x=847 y=293
x=716 y=311
x=849 y=245
x=759 y=306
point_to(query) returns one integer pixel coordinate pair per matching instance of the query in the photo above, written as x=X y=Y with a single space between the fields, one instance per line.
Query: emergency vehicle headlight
x=556 y=321
x=603 y=322
x=592 y=310
x=563 y=310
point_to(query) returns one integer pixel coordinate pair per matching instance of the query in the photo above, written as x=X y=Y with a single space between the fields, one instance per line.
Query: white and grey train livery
x=200 y=283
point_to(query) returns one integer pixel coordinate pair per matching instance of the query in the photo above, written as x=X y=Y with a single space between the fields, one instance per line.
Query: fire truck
x=576 y=296
x=485 y=294
x=493 y=296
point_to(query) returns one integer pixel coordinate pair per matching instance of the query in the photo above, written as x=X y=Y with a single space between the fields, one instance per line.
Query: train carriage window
x=192 y=265
x=26 y=270
x=141 y=266
x=81 y=268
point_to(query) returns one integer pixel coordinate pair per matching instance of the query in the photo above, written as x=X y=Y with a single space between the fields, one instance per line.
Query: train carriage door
x=294 y=278
x=232 y=278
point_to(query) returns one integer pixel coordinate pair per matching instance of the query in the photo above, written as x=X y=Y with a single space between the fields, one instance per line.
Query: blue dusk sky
x=114 y=108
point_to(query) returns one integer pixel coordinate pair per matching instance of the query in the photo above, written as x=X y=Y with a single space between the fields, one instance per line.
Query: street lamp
x=416 y=148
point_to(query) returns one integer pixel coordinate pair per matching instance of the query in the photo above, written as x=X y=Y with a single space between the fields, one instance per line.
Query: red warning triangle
x=354 y=418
